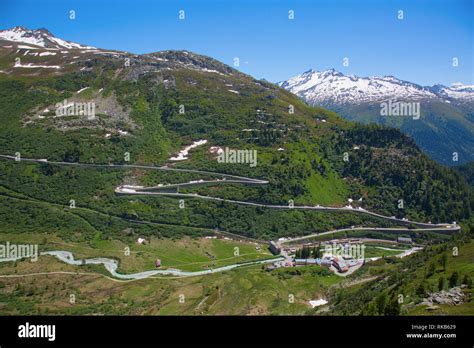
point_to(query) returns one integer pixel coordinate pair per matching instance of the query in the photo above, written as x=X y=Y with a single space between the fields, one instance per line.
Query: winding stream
x=111 y=266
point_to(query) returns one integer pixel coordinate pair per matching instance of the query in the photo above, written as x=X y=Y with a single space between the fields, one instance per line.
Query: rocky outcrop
x=454 y=296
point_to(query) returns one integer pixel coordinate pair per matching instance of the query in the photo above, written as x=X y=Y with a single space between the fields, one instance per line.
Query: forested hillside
x=160 y=102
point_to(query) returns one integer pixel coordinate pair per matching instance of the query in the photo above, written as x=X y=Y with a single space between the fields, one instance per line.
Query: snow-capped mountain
x=331 y=87
x=457 y=91
x=41 y=37
x=445 y=125
x=39 y=51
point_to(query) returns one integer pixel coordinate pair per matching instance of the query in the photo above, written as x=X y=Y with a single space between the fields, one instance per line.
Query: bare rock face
x=453 y=296
x=110 y=115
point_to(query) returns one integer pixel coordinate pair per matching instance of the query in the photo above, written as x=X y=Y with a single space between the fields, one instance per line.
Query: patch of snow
x=212 y=71
x=67 y=44
x=183 y=154
x=47 y=54
x=216 y=149
x=128 y=190
x=30 y=65
x=317 y=303
x=82 y=89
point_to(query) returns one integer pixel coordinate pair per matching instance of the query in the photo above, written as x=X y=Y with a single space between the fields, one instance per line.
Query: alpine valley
x=202 y=235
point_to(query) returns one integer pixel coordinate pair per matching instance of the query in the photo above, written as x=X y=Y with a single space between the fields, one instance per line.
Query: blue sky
x=419 y=48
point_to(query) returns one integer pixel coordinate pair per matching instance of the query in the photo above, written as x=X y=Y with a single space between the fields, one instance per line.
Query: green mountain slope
x=467 y=170
x=150 y=106
x=444 y=131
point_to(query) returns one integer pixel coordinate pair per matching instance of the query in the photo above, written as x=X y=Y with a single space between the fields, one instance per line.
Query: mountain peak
x=18 y=28
x=327 y=72
x=40 y=37
x=44 y=31
x=461 y=86
x=331 y=71
x=190 y=60
x=331 y=87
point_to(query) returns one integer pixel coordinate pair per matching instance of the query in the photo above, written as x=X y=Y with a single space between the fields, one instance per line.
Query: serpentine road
x=112 y=265
x=375 y=229
x=227 y=179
